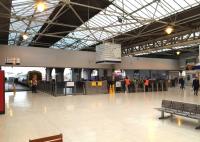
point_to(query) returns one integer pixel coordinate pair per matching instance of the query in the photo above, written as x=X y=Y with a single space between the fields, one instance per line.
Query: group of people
x=127 y=82
x=195 y=85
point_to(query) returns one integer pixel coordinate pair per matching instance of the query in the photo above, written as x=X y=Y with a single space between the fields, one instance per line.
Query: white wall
x=140 y=63
x=45 y=57
x=183 y=57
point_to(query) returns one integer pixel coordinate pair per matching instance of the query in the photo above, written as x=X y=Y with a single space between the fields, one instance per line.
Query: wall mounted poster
x=118 y=84
x=100 y=83
x=94 y=84
x=70 y=84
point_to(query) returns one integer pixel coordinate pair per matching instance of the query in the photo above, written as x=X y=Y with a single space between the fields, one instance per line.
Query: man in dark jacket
x=182 y=82
x=195 y=86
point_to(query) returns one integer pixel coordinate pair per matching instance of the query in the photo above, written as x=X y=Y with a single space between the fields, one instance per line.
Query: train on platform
x=25 y=79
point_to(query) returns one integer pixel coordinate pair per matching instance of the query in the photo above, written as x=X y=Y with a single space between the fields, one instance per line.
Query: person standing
x=146 y=85
x=34 y=84
x=195 y=85
x=127 y=83
x=182 y=82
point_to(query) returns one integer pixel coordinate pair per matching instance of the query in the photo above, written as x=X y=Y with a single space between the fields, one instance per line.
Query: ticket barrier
x=154 y=85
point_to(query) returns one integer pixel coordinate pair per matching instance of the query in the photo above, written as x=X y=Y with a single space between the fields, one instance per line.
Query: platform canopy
x=83 y=24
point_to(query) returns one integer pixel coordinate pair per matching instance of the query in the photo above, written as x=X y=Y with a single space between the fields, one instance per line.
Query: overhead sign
x=12 y=61
x=108 y=53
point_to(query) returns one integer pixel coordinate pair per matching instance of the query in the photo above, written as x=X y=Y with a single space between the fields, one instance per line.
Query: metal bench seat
x=198 y=109
x=166 y=104
x=190 y=108
x=194 y=116
x=179 y=108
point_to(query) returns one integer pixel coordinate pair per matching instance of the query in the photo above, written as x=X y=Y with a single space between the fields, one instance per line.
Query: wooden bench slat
x=56 y=138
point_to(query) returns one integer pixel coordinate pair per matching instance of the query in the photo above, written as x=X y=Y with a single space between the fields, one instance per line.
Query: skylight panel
x=25 y=9
x=126 y=15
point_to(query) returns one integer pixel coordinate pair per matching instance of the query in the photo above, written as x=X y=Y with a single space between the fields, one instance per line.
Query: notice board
x=2 y=92
x=70 y=84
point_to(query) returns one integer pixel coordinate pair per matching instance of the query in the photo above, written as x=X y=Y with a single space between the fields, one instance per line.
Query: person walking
x=182 y=82
x=146 y=85
x=127 y=83
x=195 y=86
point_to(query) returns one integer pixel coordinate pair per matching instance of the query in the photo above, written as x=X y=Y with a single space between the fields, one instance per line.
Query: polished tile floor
x=96 y=118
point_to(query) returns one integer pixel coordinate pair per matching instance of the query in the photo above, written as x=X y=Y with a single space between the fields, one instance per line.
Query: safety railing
x=60 y=88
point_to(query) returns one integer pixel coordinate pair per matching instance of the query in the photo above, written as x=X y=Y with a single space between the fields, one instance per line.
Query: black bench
x=179 y=108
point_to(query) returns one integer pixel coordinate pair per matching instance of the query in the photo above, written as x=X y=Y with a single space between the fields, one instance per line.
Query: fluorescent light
x=41 y=6
x=178 y=53
x=25 y=36
x=169 y=30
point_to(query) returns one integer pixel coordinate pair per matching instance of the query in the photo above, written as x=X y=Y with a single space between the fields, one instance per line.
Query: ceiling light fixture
x=40 y=5
x=169 y=30
x=178 y=53
x=24 y=36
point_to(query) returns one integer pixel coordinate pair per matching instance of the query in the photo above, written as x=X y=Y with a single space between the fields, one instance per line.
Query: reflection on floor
x=96 y=118
x=18 y=87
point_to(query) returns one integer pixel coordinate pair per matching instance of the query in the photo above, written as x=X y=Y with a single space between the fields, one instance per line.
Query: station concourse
x=99 y=70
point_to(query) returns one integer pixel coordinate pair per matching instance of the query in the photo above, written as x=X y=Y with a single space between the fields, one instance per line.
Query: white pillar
x=199 y=61
x=199 y=54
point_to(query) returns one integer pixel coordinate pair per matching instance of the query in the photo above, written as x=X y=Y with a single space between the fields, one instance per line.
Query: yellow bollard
x=110 y=90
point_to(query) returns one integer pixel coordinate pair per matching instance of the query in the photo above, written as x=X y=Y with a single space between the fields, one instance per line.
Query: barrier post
x=84 y=90
x=14 y=88
x=136 y=87
x=157 y=86
x=55 y=90
x=65 y=90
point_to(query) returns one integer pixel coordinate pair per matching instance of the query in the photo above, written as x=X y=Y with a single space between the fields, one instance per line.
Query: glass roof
x=25 y=19
x=118 y=18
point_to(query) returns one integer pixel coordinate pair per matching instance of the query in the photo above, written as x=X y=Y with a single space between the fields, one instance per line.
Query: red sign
x=2 y=93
